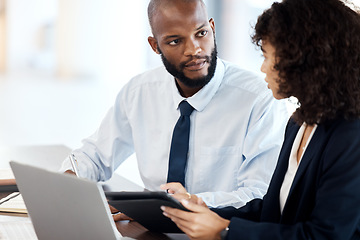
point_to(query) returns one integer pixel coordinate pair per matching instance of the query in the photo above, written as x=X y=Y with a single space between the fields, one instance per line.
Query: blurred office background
x=62 y=62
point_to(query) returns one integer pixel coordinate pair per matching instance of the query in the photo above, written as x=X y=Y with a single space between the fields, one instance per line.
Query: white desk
x=48 y=157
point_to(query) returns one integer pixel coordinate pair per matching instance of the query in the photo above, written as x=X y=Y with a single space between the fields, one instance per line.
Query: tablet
x=144 y=207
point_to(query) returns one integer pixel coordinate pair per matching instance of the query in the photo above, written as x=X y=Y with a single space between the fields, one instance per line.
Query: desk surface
x=48 y=157
x=51 y=157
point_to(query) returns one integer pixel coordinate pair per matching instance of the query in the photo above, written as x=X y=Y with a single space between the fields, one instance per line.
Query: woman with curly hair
x=312 y=52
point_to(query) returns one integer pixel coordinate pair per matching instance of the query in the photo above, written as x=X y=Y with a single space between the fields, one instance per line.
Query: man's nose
x=192 y=48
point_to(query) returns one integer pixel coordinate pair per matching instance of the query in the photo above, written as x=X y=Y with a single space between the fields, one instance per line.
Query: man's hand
x=180 y=193
x=201 y=223
x=117 y=215
x=70 y=172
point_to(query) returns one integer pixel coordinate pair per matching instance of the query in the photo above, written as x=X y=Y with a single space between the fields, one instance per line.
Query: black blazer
x=324 y=199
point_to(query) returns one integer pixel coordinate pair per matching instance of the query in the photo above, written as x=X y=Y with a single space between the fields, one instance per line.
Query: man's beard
x=179 y=73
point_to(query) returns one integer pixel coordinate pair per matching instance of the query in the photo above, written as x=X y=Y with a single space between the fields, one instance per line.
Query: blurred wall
x=108 y=38
x=66 y=60
x=2 y=33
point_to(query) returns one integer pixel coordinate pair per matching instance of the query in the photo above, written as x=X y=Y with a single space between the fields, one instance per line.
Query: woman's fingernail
x=184 y=202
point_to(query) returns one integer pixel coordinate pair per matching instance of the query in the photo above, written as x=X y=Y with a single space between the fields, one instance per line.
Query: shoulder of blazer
x=341 y=127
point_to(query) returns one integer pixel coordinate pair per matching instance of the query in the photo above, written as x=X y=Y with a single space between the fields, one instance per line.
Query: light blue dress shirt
x=236 y=133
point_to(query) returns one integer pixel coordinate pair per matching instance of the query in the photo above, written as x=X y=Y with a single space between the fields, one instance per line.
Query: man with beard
x=236 y=128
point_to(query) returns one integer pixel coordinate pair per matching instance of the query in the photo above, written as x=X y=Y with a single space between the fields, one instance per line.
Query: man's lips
x=195 y=65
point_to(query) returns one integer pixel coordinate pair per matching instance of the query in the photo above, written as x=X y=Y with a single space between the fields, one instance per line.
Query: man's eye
x=174 y=42
x=202 y=33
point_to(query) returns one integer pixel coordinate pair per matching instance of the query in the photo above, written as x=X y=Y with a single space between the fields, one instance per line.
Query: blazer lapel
x=313 y=148
x=283 y=161
x=271 y=203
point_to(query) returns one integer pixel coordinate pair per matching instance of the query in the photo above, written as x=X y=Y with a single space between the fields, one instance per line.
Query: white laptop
x=62 y=206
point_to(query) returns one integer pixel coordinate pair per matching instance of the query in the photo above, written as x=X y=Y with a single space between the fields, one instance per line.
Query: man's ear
x=212 y=24
x=153 y=44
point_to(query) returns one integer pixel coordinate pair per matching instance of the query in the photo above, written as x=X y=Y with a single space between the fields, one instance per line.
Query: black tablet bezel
x=144 y=207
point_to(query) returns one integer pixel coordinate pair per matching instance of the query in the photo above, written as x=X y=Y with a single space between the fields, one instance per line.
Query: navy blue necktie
x=180 y=145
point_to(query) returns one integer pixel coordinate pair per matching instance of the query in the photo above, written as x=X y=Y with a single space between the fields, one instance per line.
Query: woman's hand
x=180 y=193
x=201 y=223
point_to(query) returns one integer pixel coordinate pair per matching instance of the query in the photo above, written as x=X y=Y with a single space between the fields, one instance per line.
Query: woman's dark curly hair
x=317 y=48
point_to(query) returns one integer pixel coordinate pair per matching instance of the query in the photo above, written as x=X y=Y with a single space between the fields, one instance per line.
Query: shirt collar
x=201 y=99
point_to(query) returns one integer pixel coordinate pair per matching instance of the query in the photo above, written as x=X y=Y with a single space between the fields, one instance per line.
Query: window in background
x=233 y=24
x=67 y=59
x=30 y=35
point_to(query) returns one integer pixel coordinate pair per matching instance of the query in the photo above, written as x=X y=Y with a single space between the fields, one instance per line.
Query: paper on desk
x=13 y=205
x=17 y=230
